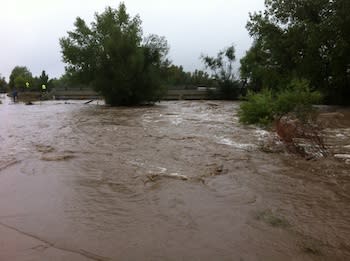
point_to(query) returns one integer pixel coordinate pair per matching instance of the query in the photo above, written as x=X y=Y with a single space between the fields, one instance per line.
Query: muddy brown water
x=89 y=182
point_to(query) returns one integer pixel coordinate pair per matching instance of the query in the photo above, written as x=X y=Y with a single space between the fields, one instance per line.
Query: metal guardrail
x=186 y=95
x=75 y=95
x=170 y=95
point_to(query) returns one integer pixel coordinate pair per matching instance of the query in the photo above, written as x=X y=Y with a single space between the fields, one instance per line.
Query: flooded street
x=182 y=180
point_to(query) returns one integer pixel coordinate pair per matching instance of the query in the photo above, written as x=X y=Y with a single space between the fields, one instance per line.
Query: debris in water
x=215 y=170
x=342 y=156
x=57 y=157
x=44 y=148
x=88 y=102
x=8 y=164
x=156 y=176
x=303 y=138
x=271 y=218
x=176 y=176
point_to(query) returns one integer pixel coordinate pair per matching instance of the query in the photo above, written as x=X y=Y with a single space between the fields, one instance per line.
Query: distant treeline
x=305 y=41
x=172 y=77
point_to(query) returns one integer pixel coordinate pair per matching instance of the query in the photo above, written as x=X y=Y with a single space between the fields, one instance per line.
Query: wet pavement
x=182 y=180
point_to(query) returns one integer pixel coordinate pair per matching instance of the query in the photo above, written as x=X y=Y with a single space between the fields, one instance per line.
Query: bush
x=257 y=109
x=262 y=108
x=229 y=90
x=296 y=98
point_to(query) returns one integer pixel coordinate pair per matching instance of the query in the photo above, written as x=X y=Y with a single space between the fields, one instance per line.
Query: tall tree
x=201 y=78
x=44 y=78
x=222 y=69
x=301 y=39
x=112 y=56
x=19 y=76
x=3 y=84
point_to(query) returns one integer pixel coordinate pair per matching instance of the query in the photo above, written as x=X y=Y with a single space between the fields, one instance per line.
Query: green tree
x=19 y=76
x=222 y=70
x=3 y=84
x=257 y=71
x=44 y=78
x=112 y=56
x=174 y=76
x=201 y=78
x=301 y=39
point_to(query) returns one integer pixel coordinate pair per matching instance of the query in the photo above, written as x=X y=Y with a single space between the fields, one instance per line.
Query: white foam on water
x=236 y=145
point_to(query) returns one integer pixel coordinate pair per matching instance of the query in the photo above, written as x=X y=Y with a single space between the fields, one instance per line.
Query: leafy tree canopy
x=222 y=70
x=301 y=39
x=44 y=78
x=174 y=77
x=19 y=76
x=113 y=56
x=3 y=84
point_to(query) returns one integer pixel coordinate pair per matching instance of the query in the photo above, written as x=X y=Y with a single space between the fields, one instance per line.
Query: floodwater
x=182 y=180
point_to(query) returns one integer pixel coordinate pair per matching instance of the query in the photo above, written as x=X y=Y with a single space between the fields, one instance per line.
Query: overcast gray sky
x=30 y=29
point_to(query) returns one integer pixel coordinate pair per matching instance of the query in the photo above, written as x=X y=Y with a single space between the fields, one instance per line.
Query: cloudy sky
x=30 y=29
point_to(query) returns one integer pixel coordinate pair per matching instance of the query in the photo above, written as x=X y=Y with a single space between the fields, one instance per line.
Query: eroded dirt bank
x=177 y=181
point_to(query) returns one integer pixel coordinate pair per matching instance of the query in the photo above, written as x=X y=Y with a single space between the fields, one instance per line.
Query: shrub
x=257 y=109
x=296 y=98
x=262 y=108
x=292 y=111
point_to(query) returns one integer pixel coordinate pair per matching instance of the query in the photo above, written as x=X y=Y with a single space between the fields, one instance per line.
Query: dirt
x=181 y=180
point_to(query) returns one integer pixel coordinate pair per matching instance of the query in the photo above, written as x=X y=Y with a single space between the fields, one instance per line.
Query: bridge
x=89 y=94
